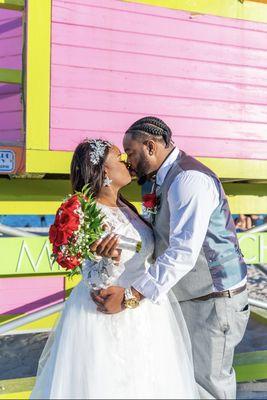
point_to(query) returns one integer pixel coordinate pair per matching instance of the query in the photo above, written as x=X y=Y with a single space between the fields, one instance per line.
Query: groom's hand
x=110 y=300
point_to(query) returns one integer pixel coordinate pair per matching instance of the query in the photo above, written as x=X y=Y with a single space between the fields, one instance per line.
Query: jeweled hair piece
x=98 y=148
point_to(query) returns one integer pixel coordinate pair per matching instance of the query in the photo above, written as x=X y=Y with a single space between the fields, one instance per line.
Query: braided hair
x=151 y=127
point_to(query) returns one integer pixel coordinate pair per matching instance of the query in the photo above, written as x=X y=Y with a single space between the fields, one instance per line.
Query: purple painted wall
x=114 y=62
x=10 y=94
x=10 y=39
x=10 y=114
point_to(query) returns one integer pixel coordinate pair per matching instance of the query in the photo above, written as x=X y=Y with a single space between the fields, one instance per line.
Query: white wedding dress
x=138 y=353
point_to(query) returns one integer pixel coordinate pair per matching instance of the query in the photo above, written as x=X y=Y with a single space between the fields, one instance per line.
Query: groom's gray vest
x=220 y=264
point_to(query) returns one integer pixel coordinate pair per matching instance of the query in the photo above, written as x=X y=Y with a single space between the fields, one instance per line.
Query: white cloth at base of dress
x=140 y=353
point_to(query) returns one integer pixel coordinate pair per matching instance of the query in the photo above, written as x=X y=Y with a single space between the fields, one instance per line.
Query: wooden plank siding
x=10 y=39
x=10 y=94
x=114 y=62
x=10 y=113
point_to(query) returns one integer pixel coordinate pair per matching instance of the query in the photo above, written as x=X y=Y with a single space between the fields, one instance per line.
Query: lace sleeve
x=101 y=272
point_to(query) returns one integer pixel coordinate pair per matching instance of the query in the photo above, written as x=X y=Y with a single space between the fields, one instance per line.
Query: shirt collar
x=165 y=167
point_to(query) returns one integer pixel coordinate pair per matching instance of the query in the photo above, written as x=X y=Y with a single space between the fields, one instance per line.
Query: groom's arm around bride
x=196 y=253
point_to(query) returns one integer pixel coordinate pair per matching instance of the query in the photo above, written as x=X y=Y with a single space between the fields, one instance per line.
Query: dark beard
x=142 y=170
x=142 y=180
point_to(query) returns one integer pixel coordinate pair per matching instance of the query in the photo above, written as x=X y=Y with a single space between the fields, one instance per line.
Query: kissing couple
x=161 y=323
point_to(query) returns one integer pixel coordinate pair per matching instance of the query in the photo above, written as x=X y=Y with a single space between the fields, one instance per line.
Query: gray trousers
x=216 y=326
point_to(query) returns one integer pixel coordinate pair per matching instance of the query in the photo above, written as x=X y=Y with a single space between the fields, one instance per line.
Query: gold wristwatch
x=130 y=301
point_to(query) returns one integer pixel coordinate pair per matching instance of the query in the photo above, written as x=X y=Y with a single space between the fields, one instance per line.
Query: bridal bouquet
x=78 y=224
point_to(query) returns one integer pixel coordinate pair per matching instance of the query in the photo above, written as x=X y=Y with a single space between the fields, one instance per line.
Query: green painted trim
x=49 y=190
x=34 y=189
x=10 y=75
x=43 y=196
x=16 y=396
x=243 y=189
x=37 y=189
x=31 y=275
x=8 y=317
x=250 y=372
x=254 y=357
x=259 y=315
x=17 y=5
x=17 y=385
x=251 y=366
x=247 y=198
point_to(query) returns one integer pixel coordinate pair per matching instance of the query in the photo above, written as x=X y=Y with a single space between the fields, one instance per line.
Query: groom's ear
x=151 y=146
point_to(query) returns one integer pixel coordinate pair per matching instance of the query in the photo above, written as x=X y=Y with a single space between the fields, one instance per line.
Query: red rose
x=61 y=238
x=57 y=219
x=68 y=262
x=55 y=249
x=150 y=200
x=52 y=233
x=69 y=220
x=60 y=256
x=72 y=203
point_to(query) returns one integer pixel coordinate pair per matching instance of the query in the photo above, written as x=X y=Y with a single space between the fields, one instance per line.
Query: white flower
x=98 y=148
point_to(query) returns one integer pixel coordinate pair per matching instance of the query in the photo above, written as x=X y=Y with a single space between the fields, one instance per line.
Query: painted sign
x=30 y=256
x=7 y=161
x=12 y=160
x=26 y=256
x=254 y=247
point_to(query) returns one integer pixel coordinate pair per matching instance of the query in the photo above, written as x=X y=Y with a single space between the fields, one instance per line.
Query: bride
x=142 y=352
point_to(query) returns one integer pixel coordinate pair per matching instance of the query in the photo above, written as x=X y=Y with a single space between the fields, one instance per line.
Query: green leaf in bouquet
x=86 y=190
x=94 y=224
x=72 y=272
x=90 y=255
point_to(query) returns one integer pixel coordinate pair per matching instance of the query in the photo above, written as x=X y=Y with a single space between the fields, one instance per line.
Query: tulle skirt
x=139 y=353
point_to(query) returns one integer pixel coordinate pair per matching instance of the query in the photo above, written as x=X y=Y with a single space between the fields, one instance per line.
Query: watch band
x=130 y=301
x=128 y=294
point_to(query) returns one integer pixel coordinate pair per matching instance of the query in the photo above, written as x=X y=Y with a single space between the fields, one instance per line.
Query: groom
x=197 y=254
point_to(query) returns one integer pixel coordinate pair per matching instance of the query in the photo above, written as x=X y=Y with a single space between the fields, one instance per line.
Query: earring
x=107 y=181
x=150 y=152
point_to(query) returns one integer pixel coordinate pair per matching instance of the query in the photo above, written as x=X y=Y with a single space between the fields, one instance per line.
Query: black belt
x=226 y=293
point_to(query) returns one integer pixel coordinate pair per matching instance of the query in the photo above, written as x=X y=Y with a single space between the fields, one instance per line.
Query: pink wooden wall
x=10 y=58
x=114 y=62
x=24 y=295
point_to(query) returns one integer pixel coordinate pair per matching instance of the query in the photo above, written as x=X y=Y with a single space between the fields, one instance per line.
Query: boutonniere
x=150 y=206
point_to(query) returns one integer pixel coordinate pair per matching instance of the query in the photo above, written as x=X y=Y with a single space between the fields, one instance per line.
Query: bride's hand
x=107 y=247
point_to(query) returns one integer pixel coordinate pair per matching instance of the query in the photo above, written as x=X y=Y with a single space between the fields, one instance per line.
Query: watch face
x=132 y=303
